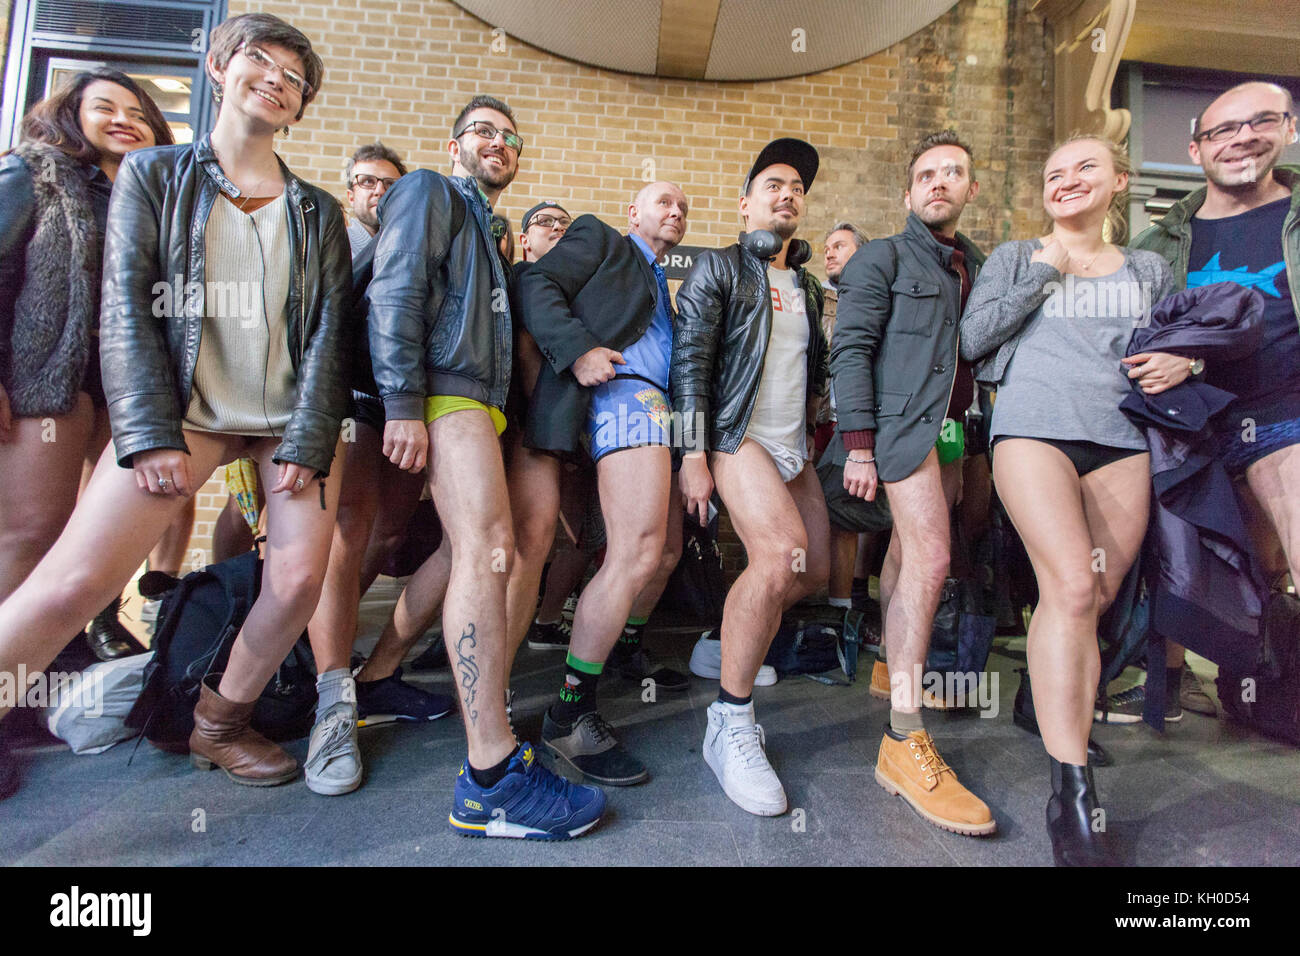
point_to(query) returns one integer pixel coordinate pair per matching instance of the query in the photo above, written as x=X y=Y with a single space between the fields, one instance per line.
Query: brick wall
x=401 y=71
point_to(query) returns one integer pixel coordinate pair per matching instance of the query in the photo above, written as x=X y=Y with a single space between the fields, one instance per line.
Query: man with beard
x=440 y=341
x=748 y=373
x=896 y=375
x=371 y=171
x=1242 y=227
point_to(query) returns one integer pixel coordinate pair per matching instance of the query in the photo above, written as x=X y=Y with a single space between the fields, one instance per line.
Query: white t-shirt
x=780 y=408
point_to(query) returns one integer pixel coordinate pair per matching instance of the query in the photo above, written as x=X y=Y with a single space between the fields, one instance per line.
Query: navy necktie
x=664 y=297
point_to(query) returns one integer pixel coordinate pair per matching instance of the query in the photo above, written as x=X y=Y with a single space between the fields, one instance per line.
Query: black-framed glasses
x=1260 y=123
x=549 y=222
x=489 y=132
x=368 y=182
x=294 y=79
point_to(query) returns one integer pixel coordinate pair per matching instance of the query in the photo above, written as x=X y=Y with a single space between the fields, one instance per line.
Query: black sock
x=729 y=698
x=494 y=774
x=577 y=696
x=1173 y=679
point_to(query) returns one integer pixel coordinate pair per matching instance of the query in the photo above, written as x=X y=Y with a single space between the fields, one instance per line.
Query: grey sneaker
x=589 y=746
x=1192 y=695
x=333 y=764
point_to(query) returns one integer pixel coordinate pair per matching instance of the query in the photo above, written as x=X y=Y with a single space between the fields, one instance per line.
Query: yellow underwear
x=435 y=406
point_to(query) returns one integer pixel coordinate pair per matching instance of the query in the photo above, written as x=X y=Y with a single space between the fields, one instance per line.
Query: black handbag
x=1268 y=698
x=697 y=589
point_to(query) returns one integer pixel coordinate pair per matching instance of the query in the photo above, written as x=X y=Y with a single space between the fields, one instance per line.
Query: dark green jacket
x=1171 y=236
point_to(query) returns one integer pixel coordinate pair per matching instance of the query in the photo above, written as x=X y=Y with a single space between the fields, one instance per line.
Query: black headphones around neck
x=766 y=245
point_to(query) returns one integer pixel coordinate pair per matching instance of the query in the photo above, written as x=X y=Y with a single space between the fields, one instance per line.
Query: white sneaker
x=333 y=764
x=733 y=749
x=706 y=661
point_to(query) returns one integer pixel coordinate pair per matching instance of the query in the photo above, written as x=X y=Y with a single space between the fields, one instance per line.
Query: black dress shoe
x=108 y=639
x=1023 y=716
x=1076 y=824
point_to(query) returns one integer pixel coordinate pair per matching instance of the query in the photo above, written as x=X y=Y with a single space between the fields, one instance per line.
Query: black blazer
x=595 y=288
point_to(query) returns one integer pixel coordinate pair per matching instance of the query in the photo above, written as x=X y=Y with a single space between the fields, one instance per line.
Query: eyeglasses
x=489 y=132
x=367 y=182
x=294 y=79
x=1260 y=123
x=549 y=222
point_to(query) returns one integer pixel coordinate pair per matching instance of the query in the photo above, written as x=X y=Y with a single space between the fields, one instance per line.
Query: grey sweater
x=1010 y=289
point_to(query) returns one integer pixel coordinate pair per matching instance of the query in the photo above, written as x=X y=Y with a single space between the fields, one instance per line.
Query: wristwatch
x=1196 y=366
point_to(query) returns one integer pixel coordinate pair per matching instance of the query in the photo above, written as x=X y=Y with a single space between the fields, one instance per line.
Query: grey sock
x=335 y=686
x=902 y=723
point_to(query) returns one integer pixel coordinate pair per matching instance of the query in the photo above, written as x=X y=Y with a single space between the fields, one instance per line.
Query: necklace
x=1089 y=263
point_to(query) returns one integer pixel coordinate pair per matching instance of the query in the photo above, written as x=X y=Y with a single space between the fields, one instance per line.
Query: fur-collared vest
x=58 y=303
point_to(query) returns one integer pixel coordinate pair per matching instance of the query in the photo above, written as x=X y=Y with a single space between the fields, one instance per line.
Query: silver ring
x=298 y=485
x=162 y=484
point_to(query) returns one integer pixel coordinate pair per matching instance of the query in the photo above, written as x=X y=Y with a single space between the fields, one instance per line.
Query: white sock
x=841 y=602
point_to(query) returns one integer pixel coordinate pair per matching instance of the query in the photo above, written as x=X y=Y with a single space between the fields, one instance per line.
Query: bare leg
x=565 y=576
x=1072 y=529
x=634 y=487
x=396 y=506
x=921 y=533
x=169 y=553
x=534 y=487
x=40 y=477
x=811 y=574
x=231 y=535
x=106 y=538
x=468 y=482
x=414 y=613
x=1274 y=482
x=844 y=555
x=646 y=601
x=767 y=520
x=333 y=627
x=299 y=533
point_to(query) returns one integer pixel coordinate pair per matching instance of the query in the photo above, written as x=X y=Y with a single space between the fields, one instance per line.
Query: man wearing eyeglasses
x=371 y=171
x=1243 y=226
x=440 y=341
x=544 y=225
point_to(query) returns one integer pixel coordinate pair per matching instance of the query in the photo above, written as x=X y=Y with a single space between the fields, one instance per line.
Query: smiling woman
x=258 y=374
x=56 y=185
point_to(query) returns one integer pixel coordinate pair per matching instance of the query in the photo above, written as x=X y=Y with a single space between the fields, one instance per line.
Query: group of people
x=482 y=381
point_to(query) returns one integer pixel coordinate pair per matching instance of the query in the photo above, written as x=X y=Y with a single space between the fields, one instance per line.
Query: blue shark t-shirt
x=1247 y=249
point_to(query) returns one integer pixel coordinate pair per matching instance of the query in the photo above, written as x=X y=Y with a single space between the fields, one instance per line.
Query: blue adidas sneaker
x=529 y=803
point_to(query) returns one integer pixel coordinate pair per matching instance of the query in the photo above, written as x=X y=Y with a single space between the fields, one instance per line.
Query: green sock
x=578 y=695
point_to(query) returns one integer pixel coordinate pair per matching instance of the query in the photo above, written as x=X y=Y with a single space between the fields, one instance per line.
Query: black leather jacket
x=720 y=341
x=439 y=309
x=151 y=319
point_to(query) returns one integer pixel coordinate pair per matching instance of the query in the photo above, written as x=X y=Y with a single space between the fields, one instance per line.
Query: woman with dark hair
x=1049 y=321
x=53 y=417
x=226 y=309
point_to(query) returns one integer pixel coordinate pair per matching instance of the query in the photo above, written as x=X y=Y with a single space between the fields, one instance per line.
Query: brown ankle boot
x=223 y=738
x=910 y=767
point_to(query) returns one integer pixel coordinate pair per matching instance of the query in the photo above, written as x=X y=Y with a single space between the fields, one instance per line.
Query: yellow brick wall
x=401 y=71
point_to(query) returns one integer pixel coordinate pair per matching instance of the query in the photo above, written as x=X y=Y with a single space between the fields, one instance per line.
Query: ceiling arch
x=710 y=39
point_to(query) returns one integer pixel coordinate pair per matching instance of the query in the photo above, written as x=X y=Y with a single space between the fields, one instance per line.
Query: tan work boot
x=879 y=680
x=222 y=738
x=911 y=768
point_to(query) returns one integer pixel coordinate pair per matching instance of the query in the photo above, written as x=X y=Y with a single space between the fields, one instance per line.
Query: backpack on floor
x=961 y=635
x=197 y=625
x=814 y=640
x=1268 y=699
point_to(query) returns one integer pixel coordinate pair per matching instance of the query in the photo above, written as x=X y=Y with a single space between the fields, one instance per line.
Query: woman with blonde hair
x=224 y=322
x=1049 y=321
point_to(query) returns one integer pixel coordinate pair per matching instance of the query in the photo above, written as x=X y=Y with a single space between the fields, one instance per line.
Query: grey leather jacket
x=151 y=320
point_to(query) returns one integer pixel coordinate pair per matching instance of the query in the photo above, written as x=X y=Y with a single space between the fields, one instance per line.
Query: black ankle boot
x=108 y=639
x=1023 y=716
x=1071 y=812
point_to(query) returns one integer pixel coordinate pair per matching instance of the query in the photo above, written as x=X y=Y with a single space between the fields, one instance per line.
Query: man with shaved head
x=598 y=307
x=1242 y=227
